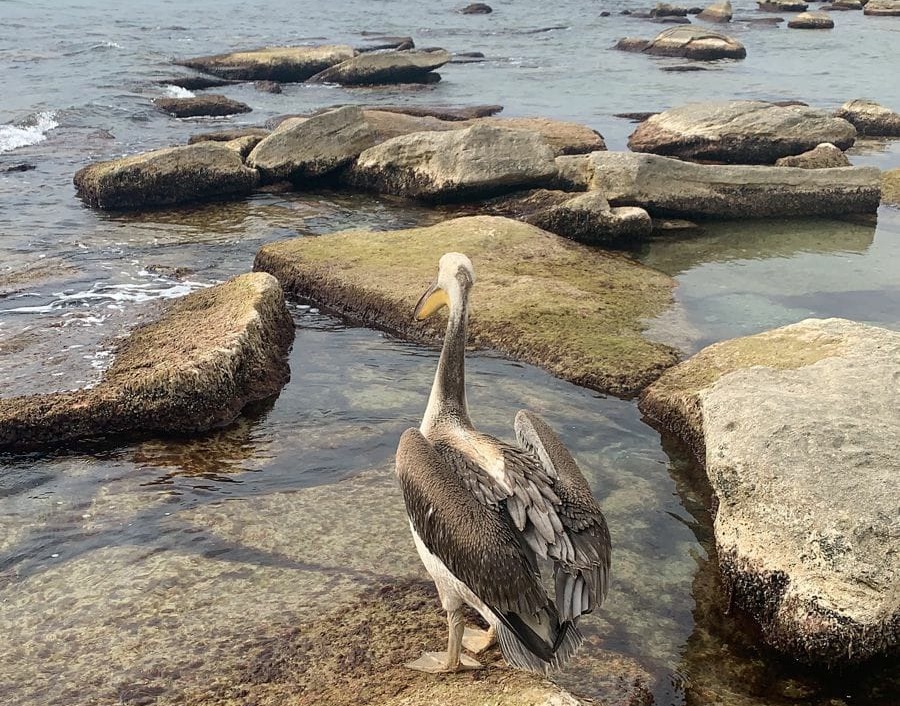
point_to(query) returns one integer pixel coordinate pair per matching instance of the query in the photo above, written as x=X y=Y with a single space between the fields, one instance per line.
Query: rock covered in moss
x=211 y=104
x=458 y=164
x=741 y=132
x=797 y=431
x=197 y=172
x=375 y=68
x=314 y=147
x=540 y=298
x=870 y=118
x=665 y=186
x=172 y=376
x=687 y=42
x=283 y=64
x=824 y=156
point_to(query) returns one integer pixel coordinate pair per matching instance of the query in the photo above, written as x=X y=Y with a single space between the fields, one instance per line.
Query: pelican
x=483 y=512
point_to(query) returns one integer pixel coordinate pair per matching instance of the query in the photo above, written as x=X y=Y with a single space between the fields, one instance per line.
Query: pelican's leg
x=477 y=641
x=452 y=660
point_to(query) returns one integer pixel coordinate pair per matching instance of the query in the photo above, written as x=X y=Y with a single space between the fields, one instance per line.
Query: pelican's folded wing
x=476 y=542
x=582 y=581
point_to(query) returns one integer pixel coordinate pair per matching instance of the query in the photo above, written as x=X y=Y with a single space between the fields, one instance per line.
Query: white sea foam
x=30 y=131
x=177 y=92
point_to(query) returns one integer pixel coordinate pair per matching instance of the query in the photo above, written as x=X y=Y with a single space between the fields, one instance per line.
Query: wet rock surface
x=741 y=132
x=782 y=5
x=212 y=104
x=528 y=303
x=444 y=166
x=687 y=43
x=824 y=156
x=283 y=64
x=665 y=186
x=206 y=170
x=314 y=147
x=717 y=12
x=883 y=8
x=811 y=20
x=415 y=66
x=477 y=8
x=870 y=118
x=794 y=428
x=171 y=376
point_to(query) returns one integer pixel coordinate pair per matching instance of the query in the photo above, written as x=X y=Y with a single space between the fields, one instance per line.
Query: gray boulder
x=197 y=172
x=386 y=67
x=665 y=186
x=824 y=156
x=743 y=132
x=283 y=64
x=782 y=5
x=172 y=376
x=869 y=118
x=212 y=104
x=717 y=12
x=811 y=20
x=457 y=164
x=798 y=432
x=883 y=8
x=688 y=42
x=313 y=147
x=477 y=8
x=664 y=9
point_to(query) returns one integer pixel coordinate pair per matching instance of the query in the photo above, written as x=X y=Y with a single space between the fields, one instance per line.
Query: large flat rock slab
x=376 y=68
x=573 y=310
x=205 y=170
x=739 y=132
x=210 y=354
x=687 y=42
x=799 y=432
x=284 y=64
x=665 y=186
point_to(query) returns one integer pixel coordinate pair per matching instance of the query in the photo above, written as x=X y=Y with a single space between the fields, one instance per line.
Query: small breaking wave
x=30 y=131
x=177 y=92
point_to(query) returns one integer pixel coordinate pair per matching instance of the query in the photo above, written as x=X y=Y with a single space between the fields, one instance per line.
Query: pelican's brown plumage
x=483 y=512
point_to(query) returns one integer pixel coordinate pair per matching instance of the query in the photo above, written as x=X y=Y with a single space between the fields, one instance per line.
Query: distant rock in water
x=664 y=9
x=385 y=68
x=207 y=170
x=811 y=20
x=172 y=376
x=796 y=431
x=717 y=12
x=782 y=5
x=884 y=8
x=23 y=167
x=267 y=86
x=380 y=43
x=741 y=132
x=870 y=118
x=824 y=156
x=688 y=43
x=283 y=64
x=477 y=8
x=195 y=83
x=210 y=104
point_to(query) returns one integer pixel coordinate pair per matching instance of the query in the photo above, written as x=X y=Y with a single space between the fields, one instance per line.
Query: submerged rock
x=717 y=12
x=385 y=67
x=314 y=147
x=197 y=172
x=283 y=64
x=797 y=431
x=477 y=8
x=743 y=132
x=458 y=164
x=212 y=104
x=665 y=186
x=267 y=86
x=687 y=43
x=195 y=83
x=172 y=376
x=885 y=8
x=824 y=156
x=870 y=118
x=530 y=302
x=811 y=20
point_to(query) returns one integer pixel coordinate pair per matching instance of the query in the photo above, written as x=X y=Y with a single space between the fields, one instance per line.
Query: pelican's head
x=455 y=277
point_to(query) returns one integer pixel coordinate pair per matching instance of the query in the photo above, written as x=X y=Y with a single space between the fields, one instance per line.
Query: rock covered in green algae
x=283 y=64
x=570 y=309
x=210 y=354
x=197 y=172
x=797 y=428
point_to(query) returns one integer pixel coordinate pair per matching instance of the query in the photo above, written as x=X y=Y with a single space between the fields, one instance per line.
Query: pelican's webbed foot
x=477 y=641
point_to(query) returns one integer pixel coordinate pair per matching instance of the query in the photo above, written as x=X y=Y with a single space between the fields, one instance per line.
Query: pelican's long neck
x=447 y=402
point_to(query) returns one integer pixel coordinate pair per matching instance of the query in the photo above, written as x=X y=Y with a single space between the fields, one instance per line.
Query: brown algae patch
x=578 y=312
x=890 y=187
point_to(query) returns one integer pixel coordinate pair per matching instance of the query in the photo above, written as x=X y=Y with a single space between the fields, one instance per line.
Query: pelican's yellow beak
x=431 y=302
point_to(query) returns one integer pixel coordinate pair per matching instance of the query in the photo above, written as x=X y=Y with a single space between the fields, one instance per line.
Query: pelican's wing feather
x=475 y=540
x=583 y=559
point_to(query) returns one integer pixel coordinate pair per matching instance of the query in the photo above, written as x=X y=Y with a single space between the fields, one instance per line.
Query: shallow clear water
x=105 y=553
